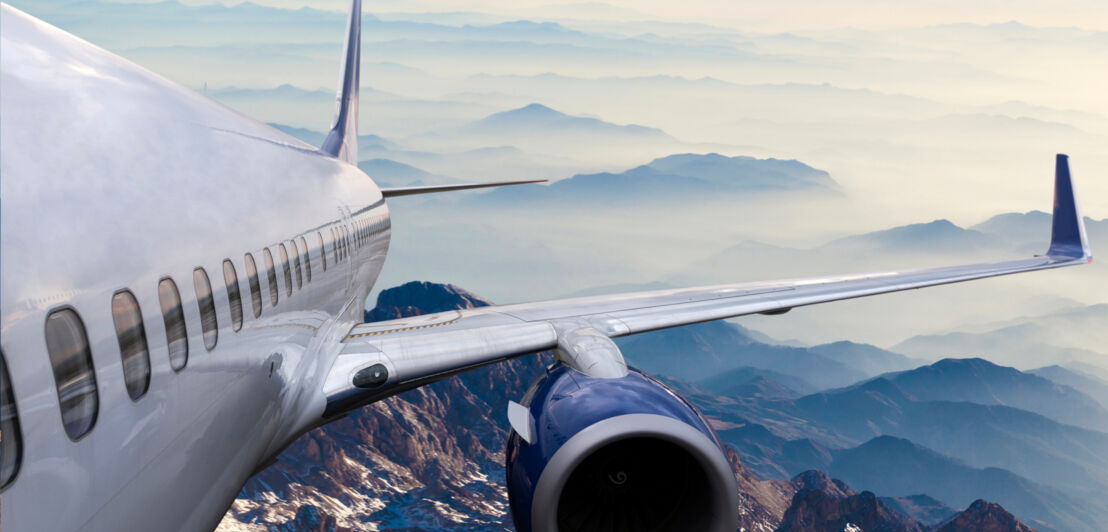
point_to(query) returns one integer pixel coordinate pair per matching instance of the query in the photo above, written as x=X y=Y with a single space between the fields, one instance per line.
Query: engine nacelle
x=622 y=453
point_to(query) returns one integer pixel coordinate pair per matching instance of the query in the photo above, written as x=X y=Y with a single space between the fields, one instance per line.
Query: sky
x=919 y=111
x=763 y=15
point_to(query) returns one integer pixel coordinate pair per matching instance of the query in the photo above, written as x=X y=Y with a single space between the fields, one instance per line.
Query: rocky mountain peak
x=421 y=297
x=822 y=503
x=984 y=516
x=819 y=481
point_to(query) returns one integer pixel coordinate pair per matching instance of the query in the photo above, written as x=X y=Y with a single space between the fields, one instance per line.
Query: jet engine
x=624 y=453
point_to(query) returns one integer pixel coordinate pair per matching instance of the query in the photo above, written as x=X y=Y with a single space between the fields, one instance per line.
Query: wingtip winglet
x=1067 y=238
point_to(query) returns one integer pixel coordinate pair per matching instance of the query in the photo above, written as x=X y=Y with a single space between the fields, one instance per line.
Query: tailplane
x=431 y=189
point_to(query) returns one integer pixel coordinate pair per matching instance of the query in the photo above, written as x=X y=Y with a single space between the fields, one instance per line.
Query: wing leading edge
x=413 y=352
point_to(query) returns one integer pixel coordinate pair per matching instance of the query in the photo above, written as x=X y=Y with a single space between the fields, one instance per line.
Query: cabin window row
x=68 y=347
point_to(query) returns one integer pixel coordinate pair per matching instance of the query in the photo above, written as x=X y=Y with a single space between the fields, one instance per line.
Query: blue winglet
x=1067 y=239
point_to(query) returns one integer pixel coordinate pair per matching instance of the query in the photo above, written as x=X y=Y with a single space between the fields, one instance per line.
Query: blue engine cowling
x=617 y=454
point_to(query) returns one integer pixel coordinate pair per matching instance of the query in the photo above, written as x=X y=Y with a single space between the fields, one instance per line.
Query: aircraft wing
x=384 y=358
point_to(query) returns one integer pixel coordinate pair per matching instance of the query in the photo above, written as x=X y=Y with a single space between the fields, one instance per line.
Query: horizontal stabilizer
x=1067 y=238
x=430 y=189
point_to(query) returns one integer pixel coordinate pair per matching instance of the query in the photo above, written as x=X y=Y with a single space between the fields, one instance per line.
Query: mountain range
x=827 y=504
x=1090 y=384
x=962 y=414
x=700 y=351
x=897 y=467
x=668 y=178
x=979 y=381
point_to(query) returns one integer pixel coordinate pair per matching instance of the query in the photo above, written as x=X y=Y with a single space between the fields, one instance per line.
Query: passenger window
x=272 y=275
x=255 y=286
x=296 y=265
x=343 y=244
x=234 y=300
x=322 y=250
x=209 y=325
x=11 y=436
x=307 y=259
x=285 y=268
x=67 y=345
x=133 y=349
x=176 y=334
x=334 y=244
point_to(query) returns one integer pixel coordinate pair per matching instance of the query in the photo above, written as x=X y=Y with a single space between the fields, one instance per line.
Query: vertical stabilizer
x=342 y=140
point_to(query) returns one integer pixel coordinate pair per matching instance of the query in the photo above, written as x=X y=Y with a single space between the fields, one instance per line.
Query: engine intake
x=617 y=454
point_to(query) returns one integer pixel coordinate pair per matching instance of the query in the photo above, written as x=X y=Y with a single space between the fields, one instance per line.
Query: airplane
x=182 y=292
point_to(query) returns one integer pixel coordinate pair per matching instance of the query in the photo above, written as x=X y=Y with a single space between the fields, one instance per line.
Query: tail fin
x=1067 y=239
x=342 y=140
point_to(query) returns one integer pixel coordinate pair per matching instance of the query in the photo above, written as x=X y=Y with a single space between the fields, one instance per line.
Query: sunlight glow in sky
x=761 y=15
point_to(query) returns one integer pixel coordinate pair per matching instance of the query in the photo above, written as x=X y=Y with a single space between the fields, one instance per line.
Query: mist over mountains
x=675 y=177
x=932 y=108
x=929 y=130
x=661 y=215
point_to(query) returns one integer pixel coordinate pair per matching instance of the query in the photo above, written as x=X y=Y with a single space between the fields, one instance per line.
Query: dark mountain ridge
x=706 y=350
x=822 y=503
x=997 y=447
x=896 y=466
x=976 y=380
x=1090 y=384
x=982 y=435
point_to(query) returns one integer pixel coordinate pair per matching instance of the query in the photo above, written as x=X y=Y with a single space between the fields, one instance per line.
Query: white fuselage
x=114 y=178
